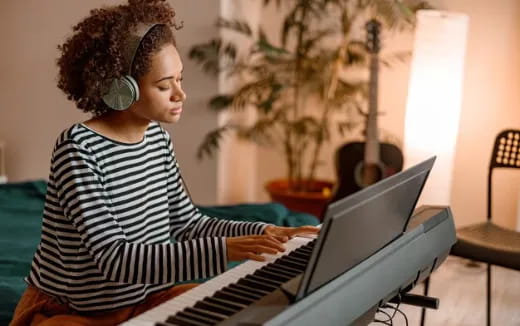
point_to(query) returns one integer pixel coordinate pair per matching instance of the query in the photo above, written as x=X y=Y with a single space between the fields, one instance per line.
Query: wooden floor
x=462 y=293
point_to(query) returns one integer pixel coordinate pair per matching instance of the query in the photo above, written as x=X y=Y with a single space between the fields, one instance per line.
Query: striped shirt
x=110 y=212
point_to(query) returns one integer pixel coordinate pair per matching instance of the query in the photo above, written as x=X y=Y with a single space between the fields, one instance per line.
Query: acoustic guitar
x=361 y=164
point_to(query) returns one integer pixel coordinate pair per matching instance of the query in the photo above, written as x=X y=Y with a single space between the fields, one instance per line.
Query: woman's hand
x=271 y=242
x=252 y=246
x=283 y=233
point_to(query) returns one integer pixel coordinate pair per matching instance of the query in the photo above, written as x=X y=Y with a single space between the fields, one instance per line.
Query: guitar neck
x=372 y=137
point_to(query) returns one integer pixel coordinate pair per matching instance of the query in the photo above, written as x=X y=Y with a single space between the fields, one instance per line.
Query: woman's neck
x=121 y=126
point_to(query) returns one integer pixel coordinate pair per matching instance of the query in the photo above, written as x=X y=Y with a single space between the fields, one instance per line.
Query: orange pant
x=35 y=308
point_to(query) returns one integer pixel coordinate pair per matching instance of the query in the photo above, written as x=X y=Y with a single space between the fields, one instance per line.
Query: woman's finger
x=267 y=241
x=304 y=230
x=259 y=249
x=253 y=256
x=282 y=238
x=272 y=242
x=256 y=238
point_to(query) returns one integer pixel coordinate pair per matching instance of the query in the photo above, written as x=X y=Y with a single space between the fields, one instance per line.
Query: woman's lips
x=176 y=110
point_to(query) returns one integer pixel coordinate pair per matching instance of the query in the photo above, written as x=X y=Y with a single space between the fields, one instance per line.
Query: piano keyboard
x=230 y=292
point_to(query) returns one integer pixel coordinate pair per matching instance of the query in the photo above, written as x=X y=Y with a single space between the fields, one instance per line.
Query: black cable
x=398 y=304
x=386 y=313
x=396 y=308
x=404 y=316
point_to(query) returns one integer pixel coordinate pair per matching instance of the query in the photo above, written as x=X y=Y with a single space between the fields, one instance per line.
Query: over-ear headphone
x=124 y=91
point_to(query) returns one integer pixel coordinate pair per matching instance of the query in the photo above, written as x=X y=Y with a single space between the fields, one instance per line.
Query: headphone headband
x=133 y=42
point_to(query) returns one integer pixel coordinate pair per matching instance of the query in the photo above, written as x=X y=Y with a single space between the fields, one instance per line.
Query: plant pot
x=313 y=201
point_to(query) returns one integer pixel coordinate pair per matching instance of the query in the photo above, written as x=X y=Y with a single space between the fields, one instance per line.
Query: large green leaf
x=211 y=142
x=236 y=25
x=220 y=102
x=209 y=54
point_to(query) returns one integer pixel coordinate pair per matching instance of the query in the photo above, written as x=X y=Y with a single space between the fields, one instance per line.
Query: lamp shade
x=434 y=97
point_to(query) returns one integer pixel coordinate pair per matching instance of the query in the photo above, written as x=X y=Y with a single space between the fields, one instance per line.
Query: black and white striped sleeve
x=87 y=206
x=187 y=222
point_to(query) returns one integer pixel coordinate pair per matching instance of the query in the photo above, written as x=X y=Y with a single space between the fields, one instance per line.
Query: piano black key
x=307 y=248
x=300 y=262
x=257 y=285
x=226 y=295
x=264 y=280
x=289 y=264
x=248 y=298
x=310 y=244
x=235 y=306
x=207 y=313
x=217 y=308
x=296 y=256
x=302 y=254
x=274 y=276
x=246 y=292
x=280 y=266
x=249 y=289
x=182 y=321
x=280 y=270
x=301 y=258
x=197 y=317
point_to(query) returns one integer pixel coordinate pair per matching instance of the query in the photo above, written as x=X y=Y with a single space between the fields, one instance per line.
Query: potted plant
x=319 y=43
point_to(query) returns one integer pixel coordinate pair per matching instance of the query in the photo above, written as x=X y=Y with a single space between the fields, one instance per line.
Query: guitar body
x=349 y=166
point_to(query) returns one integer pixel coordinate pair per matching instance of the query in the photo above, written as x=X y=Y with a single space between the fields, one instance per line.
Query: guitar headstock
x=373 y=28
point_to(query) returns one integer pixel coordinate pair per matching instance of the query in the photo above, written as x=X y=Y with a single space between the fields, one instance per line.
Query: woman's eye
x=163 y=88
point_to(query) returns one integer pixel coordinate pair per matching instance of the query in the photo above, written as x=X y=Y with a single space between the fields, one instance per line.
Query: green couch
x=21 y=206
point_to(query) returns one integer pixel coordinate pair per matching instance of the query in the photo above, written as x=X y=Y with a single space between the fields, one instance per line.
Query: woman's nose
x=178 y=95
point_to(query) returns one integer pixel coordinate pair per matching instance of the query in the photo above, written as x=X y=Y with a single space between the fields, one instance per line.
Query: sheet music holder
x=359 y=225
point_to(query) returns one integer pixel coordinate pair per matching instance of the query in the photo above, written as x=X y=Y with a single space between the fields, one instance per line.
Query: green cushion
x=273 y=213
x=21 y=207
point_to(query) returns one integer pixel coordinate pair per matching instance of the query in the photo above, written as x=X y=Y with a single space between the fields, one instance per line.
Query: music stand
x=360 y=224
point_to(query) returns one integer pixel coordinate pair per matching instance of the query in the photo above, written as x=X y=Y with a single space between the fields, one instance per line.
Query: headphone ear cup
x=135 y=86
x=121 y=94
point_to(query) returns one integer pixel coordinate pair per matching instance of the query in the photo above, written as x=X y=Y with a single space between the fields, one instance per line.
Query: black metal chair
x=487 y=242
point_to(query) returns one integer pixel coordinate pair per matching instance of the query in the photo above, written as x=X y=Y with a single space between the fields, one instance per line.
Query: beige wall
x=33 y=110
x=491 y=102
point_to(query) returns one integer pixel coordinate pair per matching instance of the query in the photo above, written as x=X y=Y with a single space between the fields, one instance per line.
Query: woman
x=115 y=195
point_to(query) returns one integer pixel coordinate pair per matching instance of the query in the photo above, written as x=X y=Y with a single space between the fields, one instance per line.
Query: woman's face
x=160 y=92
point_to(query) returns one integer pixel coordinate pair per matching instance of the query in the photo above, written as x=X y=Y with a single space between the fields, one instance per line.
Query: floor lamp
x=434 y=98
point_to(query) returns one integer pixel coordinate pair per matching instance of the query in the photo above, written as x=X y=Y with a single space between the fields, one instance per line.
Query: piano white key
x=189 y=298
x=142 y=323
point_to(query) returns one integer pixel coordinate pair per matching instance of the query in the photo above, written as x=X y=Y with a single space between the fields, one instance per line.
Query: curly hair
x=94 y=54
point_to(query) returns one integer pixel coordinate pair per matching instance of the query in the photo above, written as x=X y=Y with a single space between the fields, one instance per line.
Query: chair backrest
x=506 y=154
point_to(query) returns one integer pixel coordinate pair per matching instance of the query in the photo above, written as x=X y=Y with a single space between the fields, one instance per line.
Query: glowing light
x=435 y=96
